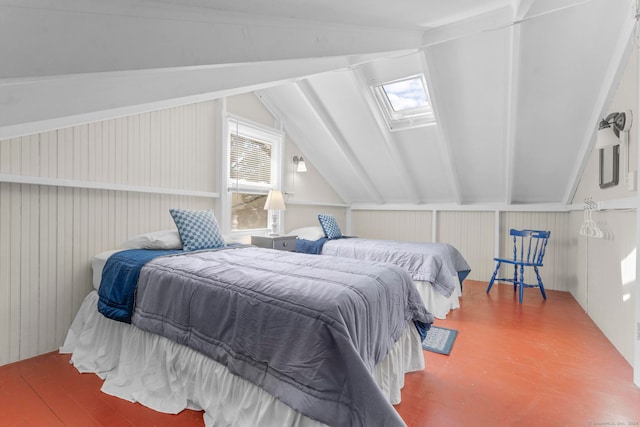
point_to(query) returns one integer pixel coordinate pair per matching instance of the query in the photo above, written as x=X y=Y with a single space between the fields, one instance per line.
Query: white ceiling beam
x=331 y=126
x=495 y=20
x=619 y=56
x=521 y=9
x=406 y=180
x=498 y=18
x=530 y=9
x=45 y=38
x=30 y=106
x=295 y=132
x=444 y=141
x=512 y=110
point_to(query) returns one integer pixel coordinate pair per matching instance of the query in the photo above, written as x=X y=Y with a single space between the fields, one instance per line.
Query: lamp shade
x=299 y=163
x=606 y=138
x=275 y=201
x=302 y=166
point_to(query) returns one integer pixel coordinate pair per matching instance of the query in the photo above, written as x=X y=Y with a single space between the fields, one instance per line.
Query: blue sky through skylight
x=406 y=94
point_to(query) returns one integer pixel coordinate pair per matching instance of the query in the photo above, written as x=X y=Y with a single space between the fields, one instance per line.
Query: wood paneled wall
x=473 y=234
x=49 y=233
x=559 y=268
x=299 y=215
x=413 y=226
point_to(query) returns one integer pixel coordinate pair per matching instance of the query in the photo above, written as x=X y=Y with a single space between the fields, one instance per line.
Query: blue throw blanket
x=313 y=247
x=119 y=281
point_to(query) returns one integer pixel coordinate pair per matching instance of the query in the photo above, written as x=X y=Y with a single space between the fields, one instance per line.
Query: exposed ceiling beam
x=495 y=20
x=444 y=142
x=77 y=99
x=76 y=37
x=488 y=21
x=521 y=9
x=294 y=131
x=407 y=181
x=512 y=109
x=324 y=115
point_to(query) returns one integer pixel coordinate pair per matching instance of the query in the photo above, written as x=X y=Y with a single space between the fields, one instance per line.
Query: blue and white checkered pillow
x=197 y=229
x=330 y=226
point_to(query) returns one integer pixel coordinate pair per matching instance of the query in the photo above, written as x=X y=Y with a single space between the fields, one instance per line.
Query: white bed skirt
x=168 y=377
x=436 y=303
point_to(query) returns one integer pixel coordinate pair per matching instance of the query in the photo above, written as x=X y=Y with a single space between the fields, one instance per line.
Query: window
x=253 y=170
x=404 y=103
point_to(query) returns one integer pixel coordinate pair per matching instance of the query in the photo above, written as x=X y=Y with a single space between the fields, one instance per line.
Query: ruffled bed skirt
x=168 y=377
x=436 y=303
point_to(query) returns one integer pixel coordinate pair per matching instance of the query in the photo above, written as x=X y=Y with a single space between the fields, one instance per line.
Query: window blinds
x=250 y=161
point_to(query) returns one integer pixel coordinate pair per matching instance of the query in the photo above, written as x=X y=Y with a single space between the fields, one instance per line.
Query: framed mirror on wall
x=609 y=166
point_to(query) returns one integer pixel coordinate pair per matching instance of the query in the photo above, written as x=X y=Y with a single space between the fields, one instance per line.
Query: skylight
x=406 y=94
x=404 y=103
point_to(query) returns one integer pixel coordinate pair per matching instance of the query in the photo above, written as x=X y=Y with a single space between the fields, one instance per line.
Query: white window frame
x=258 y=132
x=406 y=119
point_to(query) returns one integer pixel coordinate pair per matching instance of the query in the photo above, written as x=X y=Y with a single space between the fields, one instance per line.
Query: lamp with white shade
x=300 y=164
x=274 y=203
x=609 y=129
x=614 y=130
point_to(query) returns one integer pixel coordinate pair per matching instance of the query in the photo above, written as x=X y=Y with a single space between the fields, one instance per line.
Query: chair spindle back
x=531 y=245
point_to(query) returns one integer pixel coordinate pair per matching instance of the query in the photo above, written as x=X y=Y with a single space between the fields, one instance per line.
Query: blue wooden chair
x=528 y=251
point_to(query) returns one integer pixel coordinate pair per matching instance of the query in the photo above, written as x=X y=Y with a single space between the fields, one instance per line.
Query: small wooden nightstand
x=281 y=243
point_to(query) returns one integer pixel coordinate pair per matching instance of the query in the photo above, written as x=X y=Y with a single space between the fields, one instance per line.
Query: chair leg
x=521 y=284
x=544 y=294
x=515 y=277
x=495 y=272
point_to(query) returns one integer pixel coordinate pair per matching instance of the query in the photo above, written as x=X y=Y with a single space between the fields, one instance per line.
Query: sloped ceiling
x=517 y=86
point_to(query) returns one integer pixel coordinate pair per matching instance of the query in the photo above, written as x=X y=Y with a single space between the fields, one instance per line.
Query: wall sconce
x=610 y=128
x=301 y=166
x=608 y=138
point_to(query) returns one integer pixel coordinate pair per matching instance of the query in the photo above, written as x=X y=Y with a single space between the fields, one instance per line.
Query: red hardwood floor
x=535 y=364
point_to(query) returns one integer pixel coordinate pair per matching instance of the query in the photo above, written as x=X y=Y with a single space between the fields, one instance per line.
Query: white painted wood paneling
x=472 y=234
x=606 y=277
x=297 y=216
x=49 y=233
x=558 y=270
x=414 y=226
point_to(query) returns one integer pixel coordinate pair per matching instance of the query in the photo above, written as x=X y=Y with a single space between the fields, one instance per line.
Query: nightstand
x=281 y=243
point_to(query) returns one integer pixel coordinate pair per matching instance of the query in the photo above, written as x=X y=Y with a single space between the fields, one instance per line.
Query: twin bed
x=251 y=336
x=437 y=269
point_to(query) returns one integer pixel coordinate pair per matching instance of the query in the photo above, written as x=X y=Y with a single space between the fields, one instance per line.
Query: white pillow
x=308 y=233
x=165 y=239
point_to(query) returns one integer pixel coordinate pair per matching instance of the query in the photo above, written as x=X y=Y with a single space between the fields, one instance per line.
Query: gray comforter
x=307 y=329
x=437 y=263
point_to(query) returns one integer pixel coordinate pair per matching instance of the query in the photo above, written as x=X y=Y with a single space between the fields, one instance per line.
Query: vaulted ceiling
x=517 y=86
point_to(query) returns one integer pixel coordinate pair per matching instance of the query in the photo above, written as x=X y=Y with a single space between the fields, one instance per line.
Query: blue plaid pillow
x=197 y=229
x=330 y=226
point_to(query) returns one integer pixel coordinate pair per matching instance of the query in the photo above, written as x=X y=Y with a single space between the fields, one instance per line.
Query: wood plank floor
x=536 y=364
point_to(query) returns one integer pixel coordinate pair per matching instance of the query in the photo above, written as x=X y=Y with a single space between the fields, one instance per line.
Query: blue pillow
x=197 y=229
x=330 y=226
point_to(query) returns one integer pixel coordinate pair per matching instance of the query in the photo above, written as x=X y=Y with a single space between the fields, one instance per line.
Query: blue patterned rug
x=439 y=340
